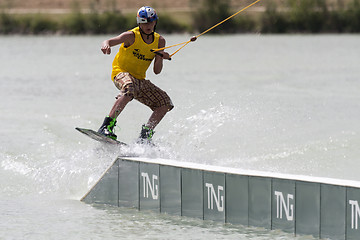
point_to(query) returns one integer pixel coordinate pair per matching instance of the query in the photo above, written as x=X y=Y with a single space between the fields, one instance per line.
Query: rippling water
x=287 y=104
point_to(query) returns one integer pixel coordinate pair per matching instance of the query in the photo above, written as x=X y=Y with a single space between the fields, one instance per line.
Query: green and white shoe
x=107 y=128
x=146 y=135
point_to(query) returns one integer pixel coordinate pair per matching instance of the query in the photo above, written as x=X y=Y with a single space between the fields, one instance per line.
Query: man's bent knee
x=162 y=109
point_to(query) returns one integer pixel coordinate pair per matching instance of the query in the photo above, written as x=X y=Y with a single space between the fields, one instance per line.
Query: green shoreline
x=292 y=16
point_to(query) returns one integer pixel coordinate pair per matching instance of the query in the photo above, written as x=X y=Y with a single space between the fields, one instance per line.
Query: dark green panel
x=192 y=193
x=128 y=184
x=214 y=196
x=149 y=187
x=353 y=214
x=307 y=208
x=333 y=211
x=283 y=205
x=170 y=194
x=260 y=202
x=237 y=199
x=106 y=190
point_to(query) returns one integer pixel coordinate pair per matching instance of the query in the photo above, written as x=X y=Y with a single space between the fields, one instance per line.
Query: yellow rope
x=180 y=48
x=187 y=42
x=228 y=18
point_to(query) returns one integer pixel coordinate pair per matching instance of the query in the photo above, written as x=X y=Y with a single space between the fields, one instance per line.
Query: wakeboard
x=99 y=137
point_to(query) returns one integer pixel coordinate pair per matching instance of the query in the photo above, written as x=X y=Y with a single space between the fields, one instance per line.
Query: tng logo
x=284 y=206
x=217 y=197
x=355 y=214
x=150 y=184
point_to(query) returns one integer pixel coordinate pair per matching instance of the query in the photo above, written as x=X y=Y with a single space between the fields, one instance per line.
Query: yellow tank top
x=136 y=58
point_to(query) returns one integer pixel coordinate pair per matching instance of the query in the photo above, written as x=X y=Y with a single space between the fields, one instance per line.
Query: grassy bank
x=291 y=16
x=77 y=23
x=312 y=16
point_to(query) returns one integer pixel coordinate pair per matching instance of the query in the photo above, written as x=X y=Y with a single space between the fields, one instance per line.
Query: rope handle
x=159 y=53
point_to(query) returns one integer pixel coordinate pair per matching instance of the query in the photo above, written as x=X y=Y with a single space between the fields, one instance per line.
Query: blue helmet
x=146 y=14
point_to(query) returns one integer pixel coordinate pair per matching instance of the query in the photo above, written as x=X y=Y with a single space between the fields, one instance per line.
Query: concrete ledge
x=321 y=207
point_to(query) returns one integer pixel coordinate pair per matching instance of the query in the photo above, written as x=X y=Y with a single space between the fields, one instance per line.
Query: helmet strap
x=147 y=35
x=150 y=34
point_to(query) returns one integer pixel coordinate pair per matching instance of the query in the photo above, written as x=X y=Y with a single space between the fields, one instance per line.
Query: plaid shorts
x=142 y=90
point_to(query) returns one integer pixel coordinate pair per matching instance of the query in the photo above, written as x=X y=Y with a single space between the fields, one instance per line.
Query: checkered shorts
x=142 y=90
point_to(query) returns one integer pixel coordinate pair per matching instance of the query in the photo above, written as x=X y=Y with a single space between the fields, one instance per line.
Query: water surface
x=288 y=104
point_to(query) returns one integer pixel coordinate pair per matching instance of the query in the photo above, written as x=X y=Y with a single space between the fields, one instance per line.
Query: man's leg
x=147 y=130
x=110 y=121
x=158 y=100
x=124 y=82
x=119 y=106
x=157 y=116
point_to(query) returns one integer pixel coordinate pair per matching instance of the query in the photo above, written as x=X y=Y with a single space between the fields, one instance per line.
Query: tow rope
x=195 y=37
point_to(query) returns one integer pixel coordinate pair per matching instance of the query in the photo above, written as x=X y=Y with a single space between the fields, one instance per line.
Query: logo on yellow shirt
x=140 y=56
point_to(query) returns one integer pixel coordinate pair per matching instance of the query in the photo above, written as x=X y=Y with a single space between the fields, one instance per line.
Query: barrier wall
x=324 y=208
